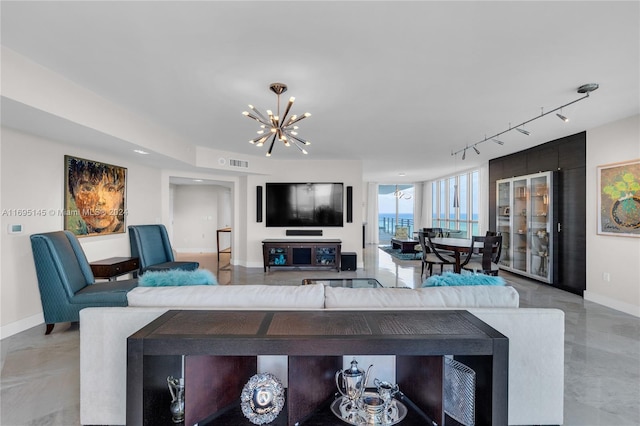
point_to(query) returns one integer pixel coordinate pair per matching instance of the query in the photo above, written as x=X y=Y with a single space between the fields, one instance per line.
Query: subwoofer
x=348 y=261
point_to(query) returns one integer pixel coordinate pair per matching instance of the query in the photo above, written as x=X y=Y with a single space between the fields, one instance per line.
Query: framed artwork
x=94 y=197
x=619 y=199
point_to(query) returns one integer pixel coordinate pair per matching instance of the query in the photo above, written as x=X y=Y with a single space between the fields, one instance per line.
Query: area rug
x=400 y=256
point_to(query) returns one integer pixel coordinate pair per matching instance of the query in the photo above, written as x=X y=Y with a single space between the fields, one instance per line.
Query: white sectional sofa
x=536 y=336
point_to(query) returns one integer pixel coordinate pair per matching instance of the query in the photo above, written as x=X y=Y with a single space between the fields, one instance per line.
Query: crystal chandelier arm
x=258 y=113
x=248 y=114
x=295 y=119
x=302 y=141
x=286 y=111
x=304 y=151
x=260 y=139
x=271 y=146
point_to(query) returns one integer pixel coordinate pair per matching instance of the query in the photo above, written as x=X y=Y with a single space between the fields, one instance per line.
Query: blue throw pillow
x=453 y=279
x=177 y=277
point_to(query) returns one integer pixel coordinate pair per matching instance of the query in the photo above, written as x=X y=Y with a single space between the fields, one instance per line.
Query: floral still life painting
x=619 y=199
x=94 y=199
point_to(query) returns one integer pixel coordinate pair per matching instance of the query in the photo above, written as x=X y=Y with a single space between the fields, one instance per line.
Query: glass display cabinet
x=526 y=220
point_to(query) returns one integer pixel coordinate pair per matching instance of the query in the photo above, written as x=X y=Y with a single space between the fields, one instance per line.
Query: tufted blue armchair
x=66 y=282
x=150 y=244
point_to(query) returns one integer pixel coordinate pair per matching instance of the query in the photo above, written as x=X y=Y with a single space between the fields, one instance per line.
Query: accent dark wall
x=569 y=157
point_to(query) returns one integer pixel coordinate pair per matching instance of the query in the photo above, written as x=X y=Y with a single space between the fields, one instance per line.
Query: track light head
x=563 y=118
x=587 y=88
x=464 y=154
x=523 y=131
x=476 y=150
x=499 y=142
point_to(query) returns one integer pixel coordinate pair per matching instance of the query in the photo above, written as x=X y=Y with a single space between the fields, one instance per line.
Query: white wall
x=617 y=256
x=33 y=178
x=198 y=212
x=347 y=172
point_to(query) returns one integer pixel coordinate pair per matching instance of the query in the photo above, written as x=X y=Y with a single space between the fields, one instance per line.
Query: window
x=395 y=207
x=465 y=218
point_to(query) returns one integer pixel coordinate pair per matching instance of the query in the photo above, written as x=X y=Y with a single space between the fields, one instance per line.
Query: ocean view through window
x=462 y=221
x=395 y=207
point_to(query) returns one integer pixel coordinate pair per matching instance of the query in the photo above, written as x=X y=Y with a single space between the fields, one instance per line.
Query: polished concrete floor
x=40 y=374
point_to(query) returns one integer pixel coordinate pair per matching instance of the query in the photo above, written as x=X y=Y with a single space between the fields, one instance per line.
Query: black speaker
x=259 y=204
x=349 y=204
x=304 y=232
x=348 y=261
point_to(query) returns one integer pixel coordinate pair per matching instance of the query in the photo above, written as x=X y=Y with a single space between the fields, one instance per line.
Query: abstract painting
x=95 y=197
x=619 y=199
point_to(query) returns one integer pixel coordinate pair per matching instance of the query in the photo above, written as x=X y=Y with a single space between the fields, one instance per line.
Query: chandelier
x=276 y=127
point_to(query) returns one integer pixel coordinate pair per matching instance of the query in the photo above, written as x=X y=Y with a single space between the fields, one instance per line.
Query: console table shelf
x=301 y=253
x=220 y=350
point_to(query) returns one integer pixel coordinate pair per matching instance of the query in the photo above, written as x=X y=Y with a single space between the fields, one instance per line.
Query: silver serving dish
x=262 y=398
x=345 y=410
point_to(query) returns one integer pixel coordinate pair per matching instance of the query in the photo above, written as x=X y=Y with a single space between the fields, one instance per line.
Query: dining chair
x=430 y=255
x=486 y=261
x=438 y=233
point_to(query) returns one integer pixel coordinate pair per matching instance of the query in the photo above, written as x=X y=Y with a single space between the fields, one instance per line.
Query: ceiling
x=398 y=85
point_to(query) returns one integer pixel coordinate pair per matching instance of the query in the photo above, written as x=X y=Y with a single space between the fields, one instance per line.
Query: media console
x=301 y=253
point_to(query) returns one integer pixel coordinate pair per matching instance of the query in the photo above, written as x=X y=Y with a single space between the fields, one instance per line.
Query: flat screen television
x=304 y=204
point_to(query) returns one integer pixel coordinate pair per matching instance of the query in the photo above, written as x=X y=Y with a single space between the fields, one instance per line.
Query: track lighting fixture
x=585 y=89
x=562 y=117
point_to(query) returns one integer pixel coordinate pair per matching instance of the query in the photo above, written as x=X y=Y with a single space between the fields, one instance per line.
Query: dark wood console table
x=220 y=350
x=301 y=253
x=113 y=267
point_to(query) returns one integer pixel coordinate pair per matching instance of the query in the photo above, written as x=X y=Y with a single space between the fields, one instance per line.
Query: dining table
x=457 y=246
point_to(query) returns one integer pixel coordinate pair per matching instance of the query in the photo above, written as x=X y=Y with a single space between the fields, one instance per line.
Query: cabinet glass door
x=278 y=256
x=503 y=221
x=520 y=216
x=539 y=226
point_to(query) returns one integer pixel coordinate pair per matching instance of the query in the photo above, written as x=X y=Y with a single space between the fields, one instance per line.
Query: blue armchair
x=150 y=244
x=66 y=282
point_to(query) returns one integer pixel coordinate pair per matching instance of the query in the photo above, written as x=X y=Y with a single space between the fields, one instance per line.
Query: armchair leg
x=49 y=329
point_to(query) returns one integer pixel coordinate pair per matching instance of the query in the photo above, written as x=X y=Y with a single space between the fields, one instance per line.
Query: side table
x=113 y=267
x=226 y=250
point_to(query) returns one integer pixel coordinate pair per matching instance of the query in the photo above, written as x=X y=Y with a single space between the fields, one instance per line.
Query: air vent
x=239 y=163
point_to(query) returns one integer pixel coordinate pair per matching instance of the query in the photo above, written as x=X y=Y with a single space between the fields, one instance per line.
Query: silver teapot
x=352 y=381
x=176 y=388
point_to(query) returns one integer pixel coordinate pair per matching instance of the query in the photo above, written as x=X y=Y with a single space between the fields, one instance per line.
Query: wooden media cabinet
x=301 y=253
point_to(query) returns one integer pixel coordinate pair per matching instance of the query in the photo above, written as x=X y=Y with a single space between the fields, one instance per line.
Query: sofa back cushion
x=230 y=297
x=428 y=297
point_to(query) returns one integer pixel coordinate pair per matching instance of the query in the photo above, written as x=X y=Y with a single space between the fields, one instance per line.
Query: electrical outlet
x=606 y=277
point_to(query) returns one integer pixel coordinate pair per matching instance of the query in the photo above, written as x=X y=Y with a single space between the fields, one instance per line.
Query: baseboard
x=21 y=325
x=194 y=250
x=627 y=308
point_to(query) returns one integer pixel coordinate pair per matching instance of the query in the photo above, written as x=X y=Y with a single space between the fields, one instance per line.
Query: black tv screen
x=304 y=204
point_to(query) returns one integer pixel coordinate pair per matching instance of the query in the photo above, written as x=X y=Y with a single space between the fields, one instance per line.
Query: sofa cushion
x=428 y=297
x=257 y=296
x=177 y=277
